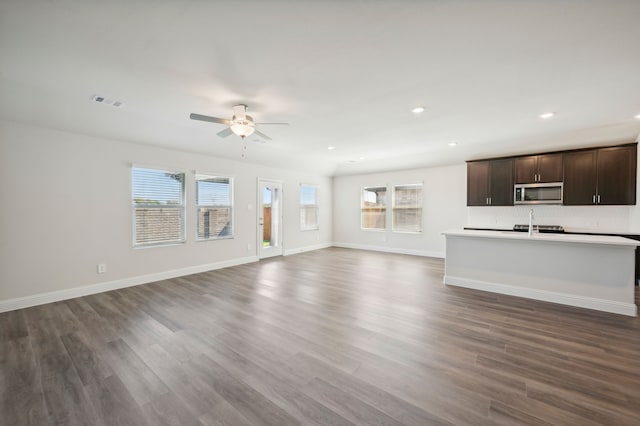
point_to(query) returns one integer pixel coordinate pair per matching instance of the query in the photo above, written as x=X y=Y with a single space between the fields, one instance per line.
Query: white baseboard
x=55 y=296
x=612 y=306
x=439 y=254
x=307 y=248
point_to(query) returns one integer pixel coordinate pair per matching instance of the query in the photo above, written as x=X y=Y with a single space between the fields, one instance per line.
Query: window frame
x=362 y=190
x=197 y=205
x=316 y=205
x=182 y=207
x=394 y=207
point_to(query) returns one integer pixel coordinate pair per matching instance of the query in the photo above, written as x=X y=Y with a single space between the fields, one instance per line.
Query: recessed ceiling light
x=452 y=143
x=547 y=115
x=361 y=158
x=331 y=148
x=417 y=110
x=638 y=116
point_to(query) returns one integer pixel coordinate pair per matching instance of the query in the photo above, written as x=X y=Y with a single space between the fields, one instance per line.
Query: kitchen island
x=588 y=271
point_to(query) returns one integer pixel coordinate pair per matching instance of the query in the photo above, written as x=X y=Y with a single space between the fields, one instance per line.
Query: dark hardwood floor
x=330 y=337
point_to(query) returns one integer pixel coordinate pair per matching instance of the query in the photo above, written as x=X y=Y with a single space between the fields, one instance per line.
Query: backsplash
x=573 y=218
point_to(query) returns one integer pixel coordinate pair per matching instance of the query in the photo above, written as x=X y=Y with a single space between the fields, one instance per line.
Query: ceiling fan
x=240 y=124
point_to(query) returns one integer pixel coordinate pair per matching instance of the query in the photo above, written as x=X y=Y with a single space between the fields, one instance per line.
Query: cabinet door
x=550 y=168
x=617 y=175
x=477 y=183
x=579 y=178
x=526 y=169
x=501 y=183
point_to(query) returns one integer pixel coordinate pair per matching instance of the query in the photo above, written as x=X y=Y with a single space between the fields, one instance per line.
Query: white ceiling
x=342 y=73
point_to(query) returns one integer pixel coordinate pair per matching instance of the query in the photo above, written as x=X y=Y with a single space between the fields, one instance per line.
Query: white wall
x=444 y=208
x=66 y=206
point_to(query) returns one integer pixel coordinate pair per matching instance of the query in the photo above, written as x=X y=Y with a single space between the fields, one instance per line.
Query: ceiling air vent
x=106 y=101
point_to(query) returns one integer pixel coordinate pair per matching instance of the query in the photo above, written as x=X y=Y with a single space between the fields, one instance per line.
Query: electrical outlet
x=102 y=268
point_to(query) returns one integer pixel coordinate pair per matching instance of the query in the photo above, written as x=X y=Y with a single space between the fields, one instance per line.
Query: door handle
x=260 y=222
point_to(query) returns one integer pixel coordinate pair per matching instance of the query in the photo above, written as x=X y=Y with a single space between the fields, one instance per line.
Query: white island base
x=588 y=271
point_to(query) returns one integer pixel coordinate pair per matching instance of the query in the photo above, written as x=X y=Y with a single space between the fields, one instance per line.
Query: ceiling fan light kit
x=242 y=128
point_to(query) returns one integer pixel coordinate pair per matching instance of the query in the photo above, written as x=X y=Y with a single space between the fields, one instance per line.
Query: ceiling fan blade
x=262 y=135
x=208 y=118
x=224 y=133
x=278 y=124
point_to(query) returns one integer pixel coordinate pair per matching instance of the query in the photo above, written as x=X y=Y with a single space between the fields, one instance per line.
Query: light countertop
x=560 y=238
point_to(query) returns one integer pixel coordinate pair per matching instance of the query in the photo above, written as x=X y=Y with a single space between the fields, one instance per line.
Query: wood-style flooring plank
x=21 y=394
x=65 y=396
x=140 y=380
x=347 y=405
x=168 y=410
x=224 y=415
x=190 y=389
x=89 y=365
x=384 y=401
x=245 y=399
x=114 y=403
x=291 y=398
x=12 y=326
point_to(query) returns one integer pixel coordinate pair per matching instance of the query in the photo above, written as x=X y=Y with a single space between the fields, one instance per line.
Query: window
x=214 y=205
x=374 y=208
x=158 y=206
x=407 y=208
x=308 y=207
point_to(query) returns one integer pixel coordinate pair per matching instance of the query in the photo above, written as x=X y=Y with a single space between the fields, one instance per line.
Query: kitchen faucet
x=531 y=222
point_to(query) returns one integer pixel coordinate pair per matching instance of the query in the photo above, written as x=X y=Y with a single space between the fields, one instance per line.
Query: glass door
x=269 y=219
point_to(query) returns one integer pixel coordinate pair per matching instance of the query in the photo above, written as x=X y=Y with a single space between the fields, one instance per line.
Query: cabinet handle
x=539 y=177
x=594 y=199
x=489 y=200
x=598 y=199
x=486 y=201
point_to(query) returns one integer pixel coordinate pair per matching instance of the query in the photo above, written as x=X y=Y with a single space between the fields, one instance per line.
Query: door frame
x=259 y=231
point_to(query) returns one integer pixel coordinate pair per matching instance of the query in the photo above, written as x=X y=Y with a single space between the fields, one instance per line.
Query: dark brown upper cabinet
x=490 y=183
x=543 y=168
x=604 y=176
x=478 y=183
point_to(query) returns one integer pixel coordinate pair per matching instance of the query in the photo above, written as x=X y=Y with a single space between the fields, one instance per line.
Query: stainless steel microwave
x=537 y=193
